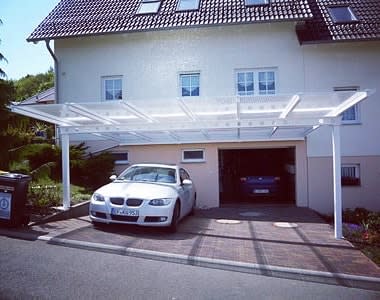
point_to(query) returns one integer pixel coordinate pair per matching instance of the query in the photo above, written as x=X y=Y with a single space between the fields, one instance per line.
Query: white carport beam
x=187 y=110
x=66 y=170
x=37 y=114
x=80 y=110
x=351 y=101
x=337 y=181
x=290 y=106
x=138 y=113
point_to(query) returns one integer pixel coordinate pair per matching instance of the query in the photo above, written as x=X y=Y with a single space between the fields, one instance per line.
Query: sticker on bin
x=5 y=205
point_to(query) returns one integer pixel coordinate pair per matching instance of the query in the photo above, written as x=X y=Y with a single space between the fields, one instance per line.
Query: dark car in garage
x=259 y=186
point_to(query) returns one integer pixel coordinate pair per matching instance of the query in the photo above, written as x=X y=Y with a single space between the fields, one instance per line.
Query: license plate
x=261 y=191
x=125 y=212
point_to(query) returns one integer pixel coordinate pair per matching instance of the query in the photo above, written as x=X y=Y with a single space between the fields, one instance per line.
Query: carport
x=280 y=117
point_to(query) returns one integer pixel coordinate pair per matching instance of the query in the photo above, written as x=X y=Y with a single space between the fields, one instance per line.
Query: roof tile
x=88 y=17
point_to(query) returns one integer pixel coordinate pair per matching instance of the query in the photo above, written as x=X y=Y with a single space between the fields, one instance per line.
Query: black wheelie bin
x=13 y=196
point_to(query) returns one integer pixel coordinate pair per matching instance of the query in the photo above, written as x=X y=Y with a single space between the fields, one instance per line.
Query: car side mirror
x=113 y=177
x=187 y=182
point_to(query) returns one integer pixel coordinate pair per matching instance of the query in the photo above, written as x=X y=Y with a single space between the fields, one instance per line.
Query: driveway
x=282 y=241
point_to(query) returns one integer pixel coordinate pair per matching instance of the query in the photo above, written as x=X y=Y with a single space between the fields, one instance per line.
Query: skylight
x=256 y=2
x=149 y=7
x=188 y=5
x=342 y=14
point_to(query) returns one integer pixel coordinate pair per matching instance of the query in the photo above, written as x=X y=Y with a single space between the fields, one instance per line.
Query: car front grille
x=124 y=218
x=134 y=202
x=99 y=215
x=117 y=200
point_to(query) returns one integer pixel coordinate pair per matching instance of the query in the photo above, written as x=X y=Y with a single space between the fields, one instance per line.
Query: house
x=44 y=97
x=226 y=88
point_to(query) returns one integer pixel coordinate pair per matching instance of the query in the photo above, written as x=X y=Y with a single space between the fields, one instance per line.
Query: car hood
x=137 y=190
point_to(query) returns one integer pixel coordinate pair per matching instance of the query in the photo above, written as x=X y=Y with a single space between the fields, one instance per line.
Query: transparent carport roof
x=198 y=119
x=190 y=120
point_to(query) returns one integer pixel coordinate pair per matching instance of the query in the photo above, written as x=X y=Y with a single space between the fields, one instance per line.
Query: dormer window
x=342 y=14
x=256 y=2
x=188 y=5
x=149 y=7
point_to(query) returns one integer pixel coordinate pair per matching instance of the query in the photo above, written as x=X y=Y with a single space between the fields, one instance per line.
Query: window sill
x=193 y=161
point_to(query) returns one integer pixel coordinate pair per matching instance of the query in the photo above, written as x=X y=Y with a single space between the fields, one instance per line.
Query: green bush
x=45 y=194
x=356 y=216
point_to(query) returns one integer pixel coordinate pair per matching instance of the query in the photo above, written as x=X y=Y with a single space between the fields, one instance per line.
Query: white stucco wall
x=346 y=64
x=150 y=63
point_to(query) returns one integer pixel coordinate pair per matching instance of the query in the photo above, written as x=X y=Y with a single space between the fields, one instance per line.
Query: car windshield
x=149 y=174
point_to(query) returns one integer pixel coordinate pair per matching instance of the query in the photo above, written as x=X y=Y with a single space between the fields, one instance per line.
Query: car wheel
x=176 y=214
x=98 y=225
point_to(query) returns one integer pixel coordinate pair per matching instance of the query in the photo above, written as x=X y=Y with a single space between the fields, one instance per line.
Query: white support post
x=66 y=170
x=337 y=181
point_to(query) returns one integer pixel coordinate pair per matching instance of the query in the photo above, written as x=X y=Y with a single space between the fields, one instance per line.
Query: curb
x=75 y=211
x=348 y=280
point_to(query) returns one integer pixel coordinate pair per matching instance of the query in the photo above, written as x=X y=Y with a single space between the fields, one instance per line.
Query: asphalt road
x=37 y=270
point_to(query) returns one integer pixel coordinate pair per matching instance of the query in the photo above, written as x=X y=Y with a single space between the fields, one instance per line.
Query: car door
x=186 y=191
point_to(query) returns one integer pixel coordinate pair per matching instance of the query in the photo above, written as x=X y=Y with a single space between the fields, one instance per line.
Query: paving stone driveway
x=277 y=236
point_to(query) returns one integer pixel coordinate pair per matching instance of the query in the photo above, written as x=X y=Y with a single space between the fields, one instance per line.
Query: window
x=193 y=155
x=251 y=82
x=245 y=83
x=256 y=2
x=188 y=5
x=189 y=84
x=120 y=158
x=149 y=7
x=342 y=14
x=350 y=174
x=112 y=88
x=351 y=115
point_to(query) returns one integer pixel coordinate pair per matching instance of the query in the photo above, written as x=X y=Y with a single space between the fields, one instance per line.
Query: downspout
x=47 y=42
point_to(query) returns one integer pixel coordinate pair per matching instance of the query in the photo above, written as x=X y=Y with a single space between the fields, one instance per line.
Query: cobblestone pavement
x=280 y=236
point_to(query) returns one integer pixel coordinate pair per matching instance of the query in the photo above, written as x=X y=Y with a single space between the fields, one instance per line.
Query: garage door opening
x=257 y=176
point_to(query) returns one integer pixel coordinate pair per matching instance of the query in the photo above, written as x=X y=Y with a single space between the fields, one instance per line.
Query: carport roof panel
x=199 y=119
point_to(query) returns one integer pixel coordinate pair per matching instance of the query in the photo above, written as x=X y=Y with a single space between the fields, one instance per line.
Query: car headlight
x=160 y=202
x=98 y=197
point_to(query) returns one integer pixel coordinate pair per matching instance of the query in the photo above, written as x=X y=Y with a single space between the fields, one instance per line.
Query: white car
x=145 y=194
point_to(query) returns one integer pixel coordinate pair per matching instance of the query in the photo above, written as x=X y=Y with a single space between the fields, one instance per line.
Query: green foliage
x=43 y=161
x=32 y=84
x=2 y=58
x=355 y=216
x=44 y=194
x=96 y=171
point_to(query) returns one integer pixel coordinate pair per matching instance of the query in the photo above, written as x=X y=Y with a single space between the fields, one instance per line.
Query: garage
x=257 y=176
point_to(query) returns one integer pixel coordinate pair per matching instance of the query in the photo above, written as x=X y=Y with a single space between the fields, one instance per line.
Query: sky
x=20 y=18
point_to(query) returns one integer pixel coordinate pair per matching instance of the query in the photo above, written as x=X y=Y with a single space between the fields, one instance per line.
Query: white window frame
x=193 y=160
x=180 y=83
x=356 y=107
x=113 y=77
x=357 y=173
x=256 y=86
x=121 y=161
x=185 y=5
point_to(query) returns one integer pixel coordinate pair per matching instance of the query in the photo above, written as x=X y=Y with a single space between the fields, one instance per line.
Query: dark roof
x=47 y=96
x=322 y=28
x=91 y=17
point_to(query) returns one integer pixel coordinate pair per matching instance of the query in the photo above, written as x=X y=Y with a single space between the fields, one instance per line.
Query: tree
x=30 y=85
x=2 y=58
